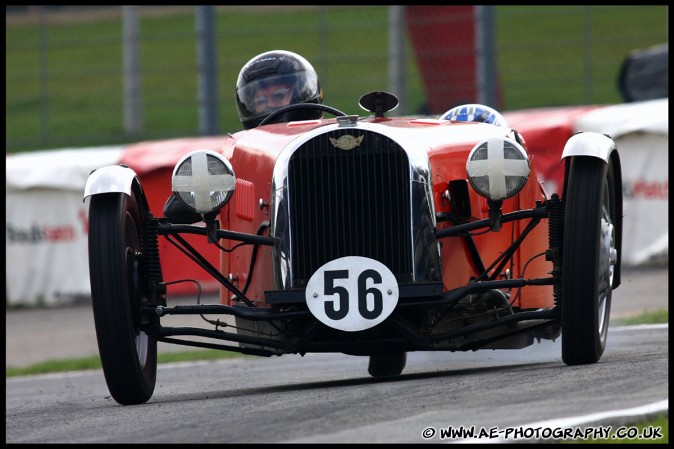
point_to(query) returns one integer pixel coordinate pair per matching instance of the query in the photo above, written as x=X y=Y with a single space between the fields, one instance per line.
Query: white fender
x=589 y=144
x=111 y=178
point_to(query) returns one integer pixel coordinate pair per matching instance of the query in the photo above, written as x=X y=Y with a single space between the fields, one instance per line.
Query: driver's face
x=272 y=97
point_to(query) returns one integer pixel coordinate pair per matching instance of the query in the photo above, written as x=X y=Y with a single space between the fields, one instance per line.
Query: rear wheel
x=382 y=365
x=128 y=354
x=589 y=258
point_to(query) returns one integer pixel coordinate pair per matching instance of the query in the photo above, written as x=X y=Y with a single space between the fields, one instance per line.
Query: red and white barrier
x=641 y=133
x=46 y=224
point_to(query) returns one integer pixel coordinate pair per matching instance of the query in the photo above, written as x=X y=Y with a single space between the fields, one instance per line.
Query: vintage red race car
x=370 y=236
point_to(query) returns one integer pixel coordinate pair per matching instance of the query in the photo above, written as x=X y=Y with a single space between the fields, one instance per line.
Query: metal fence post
x=397 y=59
x=486 y=75
x=207 y=70
x=44 y=78
x=133 y=95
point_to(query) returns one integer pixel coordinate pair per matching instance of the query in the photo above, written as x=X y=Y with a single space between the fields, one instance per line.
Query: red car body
x=254 y=154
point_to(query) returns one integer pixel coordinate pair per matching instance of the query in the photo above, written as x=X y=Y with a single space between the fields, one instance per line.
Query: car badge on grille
x=347 y=142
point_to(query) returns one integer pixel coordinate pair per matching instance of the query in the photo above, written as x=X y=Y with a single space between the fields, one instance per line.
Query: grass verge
x=94 y=362
x=654 y=431
x=647 y=317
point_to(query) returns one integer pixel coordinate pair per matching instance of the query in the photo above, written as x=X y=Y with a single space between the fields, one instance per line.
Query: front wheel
x=384 y=365
x=589 y=259
x=128 y=354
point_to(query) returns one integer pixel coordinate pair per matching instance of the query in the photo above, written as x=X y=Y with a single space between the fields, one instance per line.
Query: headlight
x=204 y=180
x=498 y=168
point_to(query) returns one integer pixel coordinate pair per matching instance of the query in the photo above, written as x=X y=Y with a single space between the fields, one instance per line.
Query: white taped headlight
x=204 y=180
x=498 y=168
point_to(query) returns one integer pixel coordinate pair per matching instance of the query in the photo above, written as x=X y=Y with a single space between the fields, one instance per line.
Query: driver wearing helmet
x=275 y=79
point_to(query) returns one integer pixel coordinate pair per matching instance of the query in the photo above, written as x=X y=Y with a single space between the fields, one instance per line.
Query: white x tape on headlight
x=204 y=180
x=498 y=168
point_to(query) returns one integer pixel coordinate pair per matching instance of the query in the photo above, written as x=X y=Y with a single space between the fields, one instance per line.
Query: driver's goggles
x=278 y=96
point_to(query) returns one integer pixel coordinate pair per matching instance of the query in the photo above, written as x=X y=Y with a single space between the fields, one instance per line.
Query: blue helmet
x=474 y=113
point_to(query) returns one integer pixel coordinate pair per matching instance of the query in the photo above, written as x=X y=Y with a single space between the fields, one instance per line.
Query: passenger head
x=474 y=113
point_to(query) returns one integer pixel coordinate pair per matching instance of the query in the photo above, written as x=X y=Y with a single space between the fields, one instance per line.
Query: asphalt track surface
x=330 y=398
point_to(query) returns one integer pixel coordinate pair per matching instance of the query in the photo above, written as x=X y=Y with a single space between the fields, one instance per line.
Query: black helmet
x=273 y=68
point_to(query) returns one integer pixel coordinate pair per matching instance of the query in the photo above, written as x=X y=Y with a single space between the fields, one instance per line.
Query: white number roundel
x=352 y=293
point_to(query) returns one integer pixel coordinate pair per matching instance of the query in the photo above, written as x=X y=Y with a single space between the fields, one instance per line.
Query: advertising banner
x=46 y=224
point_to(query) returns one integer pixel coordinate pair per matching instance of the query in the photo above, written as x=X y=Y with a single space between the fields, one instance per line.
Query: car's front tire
x=589 y=258
x=128 y=354
x=384 y=365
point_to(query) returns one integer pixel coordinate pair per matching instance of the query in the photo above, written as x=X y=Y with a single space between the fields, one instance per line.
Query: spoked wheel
x=382 y=365
x=128 y=355
x=589 y=258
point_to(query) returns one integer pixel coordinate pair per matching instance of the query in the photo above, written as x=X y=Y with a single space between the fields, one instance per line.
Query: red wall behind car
x=546 y=131
x=153 y=162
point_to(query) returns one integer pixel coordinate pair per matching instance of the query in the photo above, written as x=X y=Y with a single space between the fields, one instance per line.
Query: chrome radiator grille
x=349 y=203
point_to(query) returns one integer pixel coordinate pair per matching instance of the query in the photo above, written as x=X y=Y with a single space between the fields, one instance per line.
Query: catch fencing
x=102 y=75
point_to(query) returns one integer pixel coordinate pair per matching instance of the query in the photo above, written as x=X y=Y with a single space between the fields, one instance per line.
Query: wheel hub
x=608 y=255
